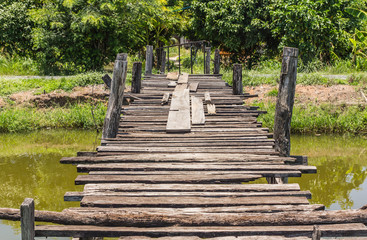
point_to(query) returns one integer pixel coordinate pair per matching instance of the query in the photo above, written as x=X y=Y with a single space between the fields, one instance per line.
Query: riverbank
x=80 y=102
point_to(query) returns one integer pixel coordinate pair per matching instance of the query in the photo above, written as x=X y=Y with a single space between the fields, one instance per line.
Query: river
x=30 y=168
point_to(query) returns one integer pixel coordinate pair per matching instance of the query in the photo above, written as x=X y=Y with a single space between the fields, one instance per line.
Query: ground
x=315 y=94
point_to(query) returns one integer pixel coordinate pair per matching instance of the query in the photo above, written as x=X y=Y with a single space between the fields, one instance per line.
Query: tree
x=238 y=26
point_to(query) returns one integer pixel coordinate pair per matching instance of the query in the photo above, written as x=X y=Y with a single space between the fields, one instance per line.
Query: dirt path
x=315 y=94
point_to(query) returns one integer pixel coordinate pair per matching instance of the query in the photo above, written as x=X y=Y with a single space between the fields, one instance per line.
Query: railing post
x=207 y=60
x=163 y=61
x=285 y=101
x=27 y=219
x=237 y=79
x=112 y=119
x=216 y=69
x=136 y=77
x=149 y=60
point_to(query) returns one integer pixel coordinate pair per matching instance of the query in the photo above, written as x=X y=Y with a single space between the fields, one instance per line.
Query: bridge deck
x=192 y=182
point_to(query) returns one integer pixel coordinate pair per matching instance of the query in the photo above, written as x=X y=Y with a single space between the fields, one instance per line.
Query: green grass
x=325 y=118
x=42 y=85
x=17 y=66
x=17 y=119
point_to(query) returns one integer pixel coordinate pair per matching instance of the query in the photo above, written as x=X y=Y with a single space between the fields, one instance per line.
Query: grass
x=325 y=118
x=17 y=119
x=17 y=66
x=43 y=85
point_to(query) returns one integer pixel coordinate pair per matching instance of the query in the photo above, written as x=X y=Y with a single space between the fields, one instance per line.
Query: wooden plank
x=180 y=100
x=172 y=84
x=178 y=122
x=165 y=98
x=193 y=187
x=197 y=109
x=223 y=166
x=181 y=87
x=216 y=238
x=207 y=98
x=183 y=79
x=177 y=157
x=78 y=196
x=193 y=86
x=211 y=109
x=204 y=210
x=172 y=76
x=154 y=179
x=330 y=230
x=174 y=127
x=147 y=174
x=181 y=201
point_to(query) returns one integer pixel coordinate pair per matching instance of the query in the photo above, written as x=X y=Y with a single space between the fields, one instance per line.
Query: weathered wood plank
x=205 y=232
x=78 y=196
x=211 y=109
x=172 y=76
x=165 y=99
x=193 y=86
x=183 y=78
x=193 y=178
x=197 y=109
x=178 y=121
x=223 y=166
x=181 y=201
x=193 y=187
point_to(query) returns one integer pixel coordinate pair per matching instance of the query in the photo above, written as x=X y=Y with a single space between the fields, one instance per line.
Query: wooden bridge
x=181 y=166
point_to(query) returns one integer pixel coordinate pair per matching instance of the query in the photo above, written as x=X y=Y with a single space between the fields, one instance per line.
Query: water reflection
x=30 y=168
x=341 y=162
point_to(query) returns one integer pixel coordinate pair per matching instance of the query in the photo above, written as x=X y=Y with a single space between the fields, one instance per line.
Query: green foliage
x=74 y=116
x=42 y=85
x=238 y=26
x=15 y=28
x=317 y=28
x=321 y=119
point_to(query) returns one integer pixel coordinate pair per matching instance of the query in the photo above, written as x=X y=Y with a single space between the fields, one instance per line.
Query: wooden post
x=237 y=79
x=163 y=62
x=27 y=219
x=207 y=60
x=285 y=101
x=316 y=234
x=111 y=122
x=149 y=60
x=136 y=77
x=216 y=69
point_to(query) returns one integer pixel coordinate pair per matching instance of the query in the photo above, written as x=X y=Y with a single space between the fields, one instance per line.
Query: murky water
x=30 y=168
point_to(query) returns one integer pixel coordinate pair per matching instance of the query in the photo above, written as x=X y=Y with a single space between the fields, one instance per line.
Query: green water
x=30 y=168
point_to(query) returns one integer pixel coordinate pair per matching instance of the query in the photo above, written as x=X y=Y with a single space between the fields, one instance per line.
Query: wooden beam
x=285 y=101
x=237 y=79
x=136 y=77
x=149 y=60
x=216 y=62
x=112 y=119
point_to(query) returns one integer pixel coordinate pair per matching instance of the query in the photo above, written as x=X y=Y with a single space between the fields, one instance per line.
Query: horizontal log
x=187 y=178
x=136 y=218
x=181 y=201
x=78 y=196
x=205 y=232
x=223 y=166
